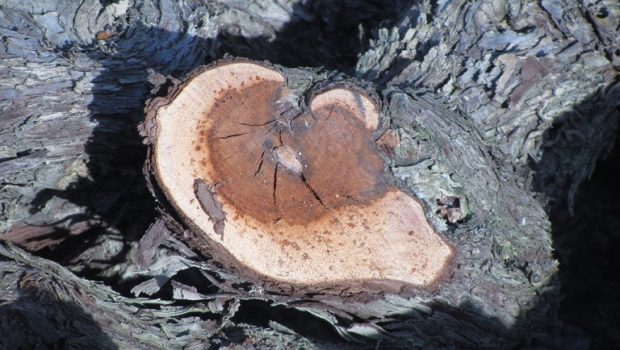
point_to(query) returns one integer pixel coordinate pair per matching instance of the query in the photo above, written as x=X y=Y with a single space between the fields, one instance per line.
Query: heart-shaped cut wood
x=296 y=194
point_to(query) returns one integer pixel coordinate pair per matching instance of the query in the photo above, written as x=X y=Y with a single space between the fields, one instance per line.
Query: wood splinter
x=303 y=196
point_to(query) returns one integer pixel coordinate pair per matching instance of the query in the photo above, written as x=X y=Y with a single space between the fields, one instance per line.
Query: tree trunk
x=505 y=106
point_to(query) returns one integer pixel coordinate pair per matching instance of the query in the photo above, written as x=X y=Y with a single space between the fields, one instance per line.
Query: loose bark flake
x=211 y=206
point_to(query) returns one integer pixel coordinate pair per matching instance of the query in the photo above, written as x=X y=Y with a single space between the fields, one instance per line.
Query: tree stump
x=298 y=185
x=477 y=116
x=290 y=186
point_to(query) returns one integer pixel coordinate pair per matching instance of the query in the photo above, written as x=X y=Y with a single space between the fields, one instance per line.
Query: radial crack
x=331 y=110
x=316 y=195
x=275 y=184
x=282 y=113
x=229 y=136
x=260 y=165
x=260 y=124
x=228 y=157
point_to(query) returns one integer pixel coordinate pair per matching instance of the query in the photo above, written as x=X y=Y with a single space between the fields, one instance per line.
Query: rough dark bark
x=539 y=80
x=491 y=101
x=45 y=306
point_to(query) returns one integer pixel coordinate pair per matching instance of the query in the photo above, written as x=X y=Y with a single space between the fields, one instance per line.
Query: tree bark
x=504 y=105
x=46 y=306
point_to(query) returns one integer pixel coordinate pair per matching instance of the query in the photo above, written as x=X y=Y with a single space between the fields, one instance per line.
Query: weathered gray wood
x=43 y=306
x=539 y=79
x=487 y=98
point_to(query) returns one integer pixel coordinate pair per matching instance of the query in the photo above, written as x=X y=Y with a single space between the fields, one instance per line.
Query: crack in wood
x=260 y=165
x=275 y=184
x=312 y=191
x=286 y=111
x=260 y=124
x=331 y=110
x=230 y=136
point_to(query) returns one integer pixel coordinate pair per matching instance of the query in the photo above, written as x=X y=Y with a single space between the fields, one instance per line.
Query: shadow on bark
x=38 y=320
x=326 y=33
x=587 y=246
x=322 y=33
x=585 y=224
